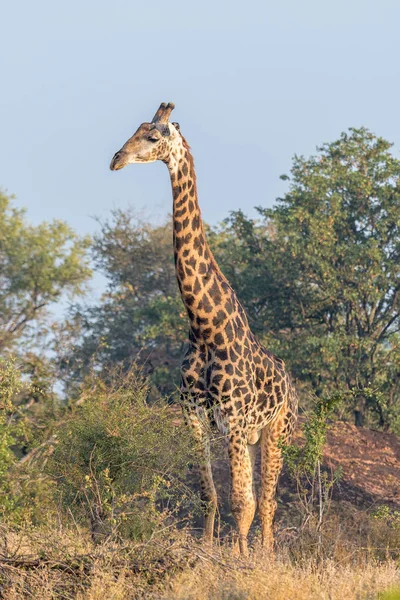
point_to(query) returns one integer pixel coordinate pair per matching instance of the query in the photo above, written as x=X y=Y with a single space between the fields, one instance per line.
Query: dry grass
x=48 y=563
x=52 y=564
x=284 y=581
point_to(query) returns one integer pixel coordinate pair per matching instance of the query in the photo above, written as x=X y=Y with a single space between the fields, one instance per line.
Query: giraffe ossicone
x=228 y=379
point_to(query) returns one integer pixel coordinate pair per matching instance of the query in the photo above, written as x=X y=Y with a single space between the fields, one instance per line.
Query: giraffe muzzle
x=119 y=161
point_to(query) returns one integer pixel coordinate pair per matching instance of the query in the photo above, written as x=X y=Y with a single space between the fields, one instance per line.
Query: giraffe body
x=229 y=380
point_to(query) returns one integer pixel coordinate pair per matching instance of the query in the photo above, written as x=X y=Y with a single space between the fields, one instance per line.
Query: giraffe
x=228 y=379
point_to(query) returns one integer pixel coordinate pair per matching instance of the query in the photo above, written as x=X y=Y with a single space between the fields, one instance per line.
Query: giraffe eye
x=153 y=139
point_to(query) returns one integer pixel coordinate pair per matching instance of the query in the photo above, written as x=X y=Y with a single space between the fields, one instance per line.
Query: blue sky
x=253 y=83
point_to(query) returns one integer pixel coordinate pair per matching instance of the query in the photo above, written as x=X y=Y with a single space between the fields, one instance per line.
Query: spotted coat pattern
x=229 y=380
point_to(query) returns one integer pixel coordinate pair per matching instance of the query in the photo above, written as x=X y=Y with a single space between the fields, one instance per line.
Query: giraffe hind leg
x=271 y=466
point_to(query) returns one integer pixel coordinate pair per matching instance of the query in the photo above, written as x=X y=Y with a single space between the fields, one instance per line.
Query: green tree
x=141 y=316
x=38 y=264
x=320 y=275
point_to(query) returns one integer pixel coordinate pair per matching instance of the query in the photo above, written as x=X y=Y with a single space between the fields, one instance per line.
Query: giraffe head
x=152 y=141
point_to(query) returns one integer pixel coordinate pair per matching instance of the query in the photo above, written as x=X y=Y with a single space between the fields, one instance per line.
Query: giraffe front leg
x=271 y=466
x=208 y=492
x=243 y=497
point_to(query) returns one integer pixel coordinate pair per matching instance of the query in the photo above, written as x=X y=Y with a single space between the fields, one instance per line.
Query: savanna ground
x=179 y=567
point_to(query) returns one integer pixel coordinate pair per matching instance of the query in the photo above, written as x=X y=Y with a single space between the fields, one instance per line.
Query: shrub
x=10 y=430
x=119 y=461
x=314 y=485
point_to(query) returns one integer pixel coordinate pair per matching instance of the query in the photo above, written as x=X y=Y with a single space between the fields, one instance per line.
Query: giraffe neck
x=195 y=266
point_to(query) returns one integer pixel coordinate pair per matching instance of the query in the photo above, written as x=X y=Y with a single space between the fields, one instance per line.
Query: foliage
x=11 y=384
x=38 y=264
x=25 y=493
x=388 y=515
x=39 y=405
x=314 y=486
x=118 y=460
x=141 y=316
x=302 y=460
x=320 y=274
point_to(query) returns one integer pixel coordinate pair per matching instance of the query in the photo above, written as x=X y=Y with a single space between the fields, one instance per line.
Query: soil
x=370 y=463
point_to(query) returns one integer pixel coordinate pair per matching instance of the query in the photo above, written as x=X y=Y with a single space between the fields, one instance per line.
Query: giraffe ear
x=177 y=126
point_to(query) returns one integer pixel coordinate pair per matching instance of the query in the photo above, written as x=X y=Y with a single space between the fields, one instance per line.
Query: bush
x=304 y=464
x=119 y=462
x=10 y=430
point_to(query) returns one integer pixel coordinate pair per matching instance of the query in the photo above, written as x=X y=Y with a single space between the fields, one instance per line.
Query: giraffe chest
x=214 y=374
x=230 y=392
